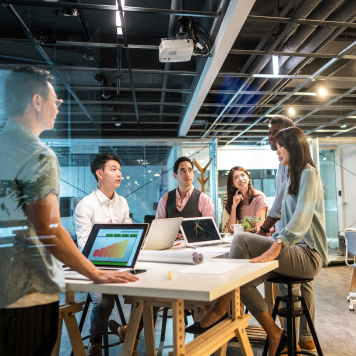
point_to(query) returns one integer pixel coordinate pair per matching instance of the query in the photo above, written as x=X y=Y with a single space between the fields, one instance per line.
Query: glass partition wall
x=147 y=171
x=337 y=157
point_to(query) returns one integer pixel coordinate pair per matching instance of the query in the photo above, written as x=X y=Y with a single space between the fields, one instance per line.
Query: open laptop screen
x=200 y=230
x=112 y=245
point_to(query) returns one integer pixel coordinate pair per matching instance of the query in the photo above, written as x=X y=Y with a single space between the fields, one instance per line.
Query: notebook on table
x=200 y=232
x=113 y=246
x=162 y=234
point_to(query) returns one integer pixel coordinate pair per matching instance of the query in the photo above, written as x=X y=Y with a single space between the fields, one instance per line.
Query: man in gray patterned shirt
x=32 y=238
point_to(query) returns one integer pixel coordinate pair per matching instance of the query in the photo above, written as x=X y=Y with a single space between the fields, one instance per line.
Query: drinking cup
x=237 y=228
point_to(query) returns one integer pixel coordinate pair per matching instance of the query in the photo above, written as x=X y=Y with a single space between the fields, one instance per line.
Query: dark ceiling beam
x=150 y=90
x=68 y=5
x=121 y=122
x=64 y=113
x=288 y=105
x=80 y=44
x=232 y=92
x=228 y=92
x=288 y=54
x=321 y=78
x=261 y=130
x=115 y=129
x=27 y=31
x=301 y=21
x=99 y=102
x=28 y=60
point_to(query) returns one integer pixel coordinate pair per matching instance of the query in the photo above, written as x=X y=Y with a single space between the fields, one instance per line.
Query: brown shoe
x=94 y=349
x=122 y=330
x=308 y=346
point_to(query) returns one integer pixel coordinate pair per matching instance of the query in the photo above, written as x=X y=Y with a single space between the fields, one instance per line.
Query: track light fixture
x=275 y=64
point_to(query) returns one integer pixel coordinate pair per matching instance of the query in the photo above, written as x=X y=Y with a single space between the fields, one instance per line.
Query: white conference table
x=193 y=290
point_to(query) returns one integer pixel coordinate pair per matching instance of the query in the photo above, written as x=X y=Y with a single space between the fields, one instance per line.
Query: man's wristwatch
x=264 y=229
x=279 y=242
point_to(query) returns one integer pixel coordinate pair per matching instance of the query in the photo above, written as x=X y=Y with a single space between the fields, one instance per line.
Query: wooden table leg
x=74 y=334
x=149 y=331
x=240 y=332
x=67 y=314
x=132 y=328
x=178 y=327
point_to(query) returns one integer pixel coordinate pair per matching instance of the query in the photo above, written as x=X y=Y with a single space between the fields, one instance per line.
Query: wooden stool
x=106 y=332
x=291 y=312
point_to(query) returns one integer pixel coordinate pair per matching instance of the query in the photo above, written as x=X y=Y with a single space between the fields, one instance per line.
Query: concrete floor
x=335 y=324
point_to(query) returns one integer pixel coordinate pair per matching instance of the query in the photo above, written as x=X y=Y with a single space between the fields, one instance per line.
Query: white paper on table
x=212 y=268
x=187 y=257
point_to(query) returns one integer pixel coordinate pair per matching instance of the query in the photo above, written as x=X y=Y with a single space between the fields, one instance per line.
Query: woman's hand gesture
x=237 y=199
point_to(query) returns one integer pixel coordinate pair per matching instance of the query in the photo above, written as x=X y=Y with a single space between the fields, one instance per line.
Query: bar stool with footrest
x=290 y=313
x=106 y=344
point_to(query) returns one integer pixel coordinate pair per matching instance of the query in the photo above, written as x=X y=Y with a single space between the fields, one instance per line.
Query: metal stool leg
x=106 y=342
x=164 y=324
x=311 y=326
x=274 y=315
x=119 y=308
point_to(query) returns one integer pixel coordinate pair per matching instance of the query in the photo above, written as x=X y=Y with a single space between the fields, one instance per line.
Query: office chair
x=350 y=239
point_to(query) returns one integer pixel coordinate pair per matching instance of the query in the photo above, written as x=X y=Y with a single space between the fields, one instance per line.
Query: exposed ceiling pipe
x=167 y=66
x=295 y=43
x=301 y=13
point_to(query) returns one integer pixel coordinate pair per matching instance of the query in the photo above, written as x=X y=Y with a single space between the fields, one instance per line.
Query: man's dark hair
x=21 y=85
x=180 y=160
x=100 y=160
x=280 y=119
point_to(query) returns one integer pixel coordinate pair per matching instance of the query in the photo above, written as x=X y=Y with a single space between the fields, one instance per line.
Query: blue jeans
x=103 y=304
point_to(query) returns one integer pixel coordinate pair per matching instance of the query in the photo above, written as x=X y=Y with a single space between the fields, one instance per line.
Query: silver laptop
x=112 y=246
x=200 y=232
x=162 y=233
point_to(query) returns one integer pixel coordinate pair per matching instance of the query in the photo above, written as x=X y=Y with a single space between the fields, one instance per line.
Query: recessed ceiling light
x=322 y=92
x=117 y=124
x=291 y=111
x=156 y=175
x=127 y=177
x=149 y=171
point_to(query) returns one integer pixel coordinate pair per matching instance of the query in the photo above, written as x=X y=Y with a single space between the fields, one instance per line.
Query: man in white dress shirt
x=102 y=206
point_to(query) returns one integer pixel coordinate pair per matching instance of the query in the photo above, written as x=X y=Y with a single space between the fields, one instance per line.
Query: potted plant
x=249 y=223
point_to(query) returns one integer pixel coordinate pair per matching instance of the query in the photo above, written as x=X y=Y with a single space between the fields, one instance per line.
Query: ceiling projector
x=176 y=50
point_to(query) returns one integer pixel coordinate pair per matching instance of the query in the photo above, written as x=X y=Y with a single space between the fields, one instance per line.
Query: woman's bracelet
x=264 y=229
